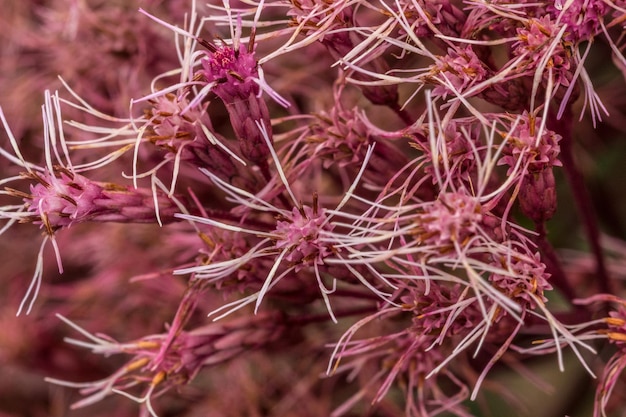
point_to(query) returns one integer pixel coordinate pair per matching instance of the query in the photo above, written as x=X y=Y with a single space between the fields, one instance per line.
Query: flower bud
x=537 y=196
x=61 y=200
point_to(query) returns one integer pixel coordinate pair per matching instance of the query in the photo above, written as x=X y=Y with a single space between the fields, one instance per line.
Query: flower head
x=340 y=137
x=453 y=217
x=457 y=71
x=535 y=40
x=61 y=200
x=526 y=280
x=530 y=142
x=160 y=363
x=233 y=69
x=300 y=233
x=172 y=121
x=583 y=17
x=613 y=329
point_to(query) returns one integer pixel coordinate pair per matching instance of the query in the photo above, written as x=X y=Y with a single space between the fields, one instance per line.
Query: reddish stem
x=581 y=195
x=404 y=115
x=558 y=278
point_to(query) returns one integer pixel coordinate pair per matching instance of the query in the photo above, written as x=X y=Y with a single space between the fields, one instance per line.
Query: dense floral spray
x=309 y=207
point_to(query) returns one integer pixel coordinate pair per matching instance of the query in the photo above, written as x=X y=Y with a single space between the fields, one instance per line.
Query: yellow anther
x=614 y=321
x=158 y=378
x=531 y=122
x=619 y=337
x=206 y=239
x=137 y=364
x=145 y=344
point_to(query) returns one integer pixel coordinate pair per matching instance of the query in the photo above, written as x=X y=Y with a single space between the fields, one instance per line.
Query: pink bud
x=537 y=196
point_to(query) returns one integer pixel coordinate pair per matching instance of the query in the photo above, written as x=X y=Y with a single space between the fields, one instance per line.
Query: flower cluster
x=375 y=185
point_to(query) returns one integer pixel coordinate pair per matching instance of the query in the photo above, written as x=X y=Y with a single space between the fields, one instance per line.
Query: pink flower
x=583 y=18
x=300 y=234
x=61 y=200
x=536 y=39
x=160 y=363
x=457 y=72
x=453 y=217
x=530 y=143
x=233 y=69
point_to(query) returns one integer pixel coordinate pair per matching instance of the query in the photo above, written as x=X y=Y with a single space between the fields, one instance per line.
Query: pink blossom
x=300 y=234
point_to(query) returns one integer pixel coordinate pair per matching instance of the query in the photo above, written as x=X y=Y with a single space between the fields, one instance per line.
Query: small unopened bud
x=66 y=198
x=244 y=114
x=537 y=196
x=235 y=73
